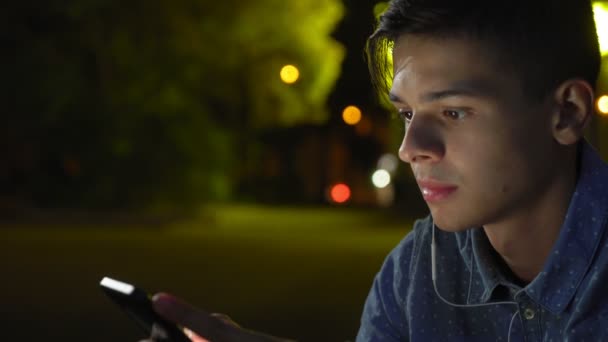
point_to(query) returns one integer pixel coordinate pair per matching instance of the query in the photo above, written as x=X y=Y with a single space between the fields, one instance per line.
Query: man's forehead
x=438 y=77
x=470 y=87
x=425 y=50
x=424 y=64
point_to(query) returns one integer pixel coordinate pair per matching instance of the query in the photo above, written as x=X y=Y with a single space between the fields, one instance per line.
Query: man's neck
x=524 y=240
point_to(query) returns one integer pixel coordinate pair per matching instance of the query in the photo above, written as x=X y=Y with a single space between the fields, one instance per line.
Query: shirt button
x=529 y=314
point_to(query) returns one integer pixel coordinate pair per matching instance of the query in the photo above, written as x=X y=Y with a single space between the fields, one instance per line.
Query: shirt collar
x=491 y=272
x=573 y=252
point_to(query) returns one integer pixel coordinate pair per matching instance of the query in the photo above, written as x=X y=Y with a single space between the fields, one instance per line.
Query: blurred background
x=230 y=152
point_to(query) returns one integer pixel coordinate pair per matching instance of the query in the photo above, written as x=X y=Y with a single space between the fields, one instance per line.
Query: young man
x=495 y=98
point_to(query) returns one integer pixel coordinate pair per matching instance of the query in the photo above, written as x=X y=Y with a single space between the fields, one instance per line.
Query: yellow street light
x=289 y=74
x=351 y=115
x=602 y=104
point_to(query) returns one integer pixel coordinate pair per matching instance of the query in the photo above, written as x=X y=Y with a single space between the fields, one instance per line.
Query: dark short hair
x=545 y=41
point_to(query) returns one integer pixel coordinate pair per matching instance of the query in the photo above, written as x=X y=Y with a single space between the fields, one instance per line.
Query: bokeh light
x=351 y=115
x=379 y=8
x=602 y=104
x=290 y=74
x=600 y=12
x=364 y=127
x=71 y=166
x=381 y=178
x=340 y=193
x=388 y=162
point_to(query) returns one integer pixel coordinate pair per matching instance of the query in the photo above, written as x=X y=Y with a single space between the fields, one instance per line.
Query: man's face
x=480 y=150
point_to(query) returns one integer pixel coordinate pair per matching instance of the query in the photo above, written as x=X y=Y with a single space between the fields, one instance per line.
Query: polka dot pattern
x=567 y=301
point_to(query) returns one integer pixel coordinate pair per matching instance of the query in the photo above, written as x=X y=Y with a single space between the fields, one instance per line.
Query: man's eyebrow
x=470 y=88
x=394 y=98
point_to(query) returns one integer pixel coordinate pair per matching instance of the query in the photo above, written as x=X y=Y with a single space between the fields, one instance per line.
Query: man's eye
x=454 y=114
x=406 y=115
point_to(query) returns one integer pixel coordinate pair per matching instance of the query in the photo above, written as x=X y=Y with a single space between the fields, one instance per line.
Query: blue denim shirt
x=567 y=301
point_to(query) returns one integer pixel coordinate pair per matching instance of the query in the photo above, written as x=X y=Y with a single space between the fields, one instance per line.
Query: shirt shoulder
x=411 y=244
x=385 y=315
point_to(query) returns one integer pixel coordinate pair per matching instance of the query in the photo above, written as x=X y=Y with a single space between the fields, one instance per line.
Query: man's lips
x=434 y=191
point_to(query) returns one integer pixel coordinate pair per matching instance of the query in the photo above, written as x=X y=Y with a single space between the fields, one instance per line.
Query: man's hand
x=201 y=326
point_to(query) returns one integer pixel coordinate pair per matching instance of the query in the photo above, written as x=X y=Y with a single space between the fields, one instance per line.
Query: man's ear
x=573 y=110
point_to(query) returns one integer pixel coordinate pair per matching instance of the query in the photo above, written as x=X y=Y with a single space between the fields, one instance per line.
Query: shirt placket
x=530 y=314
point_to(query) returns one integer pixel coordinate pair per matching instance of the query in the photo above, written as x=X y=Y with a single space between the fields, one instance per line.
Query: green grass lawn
x=292 y=272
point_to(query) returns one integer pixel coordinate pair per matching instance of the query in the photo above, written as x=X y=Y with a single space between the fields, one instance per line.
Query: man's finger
x=225 y=318
x=207 y=326
x=193 y=336
x=198 y=321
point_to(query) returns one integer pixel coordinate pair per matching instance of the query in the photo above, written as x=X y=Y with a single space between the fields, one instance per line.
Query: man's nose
x=422 y=141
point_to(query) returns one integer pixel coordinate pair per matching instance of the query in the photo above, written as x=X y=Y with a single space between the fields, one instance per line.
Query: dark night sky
x=353 y=86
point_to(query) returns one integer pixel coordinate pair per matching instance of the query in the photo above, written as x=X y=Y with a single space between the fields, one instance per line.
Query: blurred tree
x=150 y=104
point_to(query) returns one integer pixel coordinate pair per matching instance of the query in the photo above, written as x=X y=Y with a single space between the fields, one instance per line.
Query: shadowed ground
x=299 y=273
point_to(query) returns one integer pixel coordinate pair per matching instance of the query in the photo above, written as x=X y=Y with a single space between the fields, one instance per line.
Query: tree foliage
x=145 y=103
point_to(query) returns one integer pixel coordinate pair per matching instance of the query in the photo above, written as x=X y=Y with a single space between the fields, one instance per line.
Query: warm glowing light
x=71 y=166
x=289 y=74
x=388 y=162
x=602 y=104
x=351 y=115
x=600 y=12
x=340 y=193
x=381 y=179
x=364 y=127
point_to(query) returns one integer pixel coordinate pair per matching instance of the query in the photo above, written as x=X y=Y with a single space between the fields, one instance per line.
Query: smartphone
x=137 y=304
